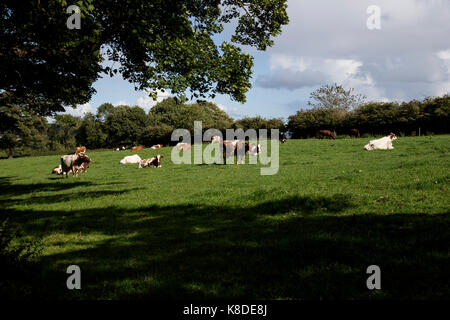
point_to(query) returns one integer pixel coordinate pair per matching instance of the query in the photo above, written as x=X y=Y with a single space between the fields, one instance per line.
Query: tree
x=335 y=97
x=103 y=111
x=91 y=132
x=259 y=123
x=21 y=130
x=125 y=125
x=62 y=131
x=180 y=115
x=158 y=44
x=156 y=134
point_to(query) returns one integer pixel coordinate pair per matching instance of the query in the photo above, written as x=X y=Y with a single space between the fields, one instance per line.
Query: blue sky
x=328 y=41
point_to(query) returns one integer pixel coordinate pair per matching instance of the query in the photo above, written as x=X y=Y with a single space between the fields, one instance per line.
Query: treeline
x=23 y=132
x=429 y=116
x=26 y=133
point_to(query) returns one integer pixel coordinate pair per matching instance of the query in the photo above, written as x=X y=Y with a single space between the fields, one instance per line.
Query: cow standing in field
x=354 y=133
x=72 y=162
x=240 y=148
x=384 y=143
x=283 y=137
x=327 y=134
x=216 y=139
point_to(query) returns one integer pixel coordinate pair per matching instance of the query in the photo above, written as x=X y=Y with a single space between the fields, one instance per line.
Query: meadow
x=224 y=231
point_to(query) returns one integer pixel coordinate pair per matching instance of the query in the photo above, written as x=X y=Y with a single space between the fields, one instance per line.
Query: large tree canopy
x=156 y=45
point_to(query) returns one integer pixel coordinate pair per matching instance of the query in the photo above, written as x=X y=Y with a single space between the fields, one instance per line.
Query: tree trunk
x=10 y=153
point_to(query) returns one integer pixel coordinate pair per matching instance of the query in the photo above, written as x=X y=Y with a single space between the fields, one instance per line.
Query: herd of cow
x=229 y=148
x=73 y=163
x=78 y=161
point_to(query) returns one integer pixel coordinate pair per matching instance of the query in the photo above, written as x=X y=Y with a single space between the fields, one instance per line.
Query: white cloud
x=147 y=102
x=328 y=41
x=80 y=110
x=121 y=103
x=444 y=54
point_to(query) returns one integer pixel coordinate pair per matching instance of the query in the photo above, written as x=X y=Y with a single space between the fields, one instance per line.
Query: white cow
x=183 y=146
x=131 y=159
x=384 y=143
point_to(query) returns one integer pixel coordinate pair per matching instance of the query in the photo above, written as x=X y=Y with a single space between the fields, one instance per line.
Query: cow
x=183 y=146
x=80 y=150
x=216 y=139
x=384 y=143
x=156 y=146
x=240 y=148
x=137 y=148
x=354 y=133
x=84 y=165
x=131 y=159
x=252 y=149
x=72 y=162
x=327 y=134
x=283 y=137
x=151 y=162
x=57 y=170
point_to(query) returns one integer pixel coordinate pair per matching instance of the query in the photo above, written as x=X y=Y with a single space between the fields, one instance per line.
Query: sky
x=326 y=42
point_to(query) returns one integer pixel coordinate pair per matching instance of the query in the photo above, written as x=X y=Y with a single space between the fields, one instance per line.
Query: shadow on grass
x=9 y=189
x=294 y=247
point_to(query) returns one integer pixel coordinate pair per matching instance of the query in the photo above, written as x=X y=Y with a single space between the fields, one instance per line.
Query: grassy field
x=216 y=231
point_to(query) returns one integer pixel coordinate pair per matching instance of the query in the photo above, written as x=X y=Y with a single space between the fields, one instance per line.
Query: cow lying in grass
x=131 y=159
x=83 y=168
x=384 y=143
x=137 y=148
x=151 y=162
x=183 y=146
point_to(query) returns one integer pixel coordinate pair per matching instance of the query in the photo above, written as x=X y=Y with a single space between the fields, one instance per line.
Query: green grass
x=216 y=231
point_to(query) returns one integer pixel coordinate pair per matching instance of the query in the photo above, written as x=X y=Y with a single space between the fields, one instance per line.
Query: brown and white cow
x=84 y=165
x=57 y=170
x=240 y=148
x=252 y=149
x=156 y=146
x=72 y=162
x=137 y=148
x=216 y=139
x=151 y=162
x=80 y=150
x=82 y=168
